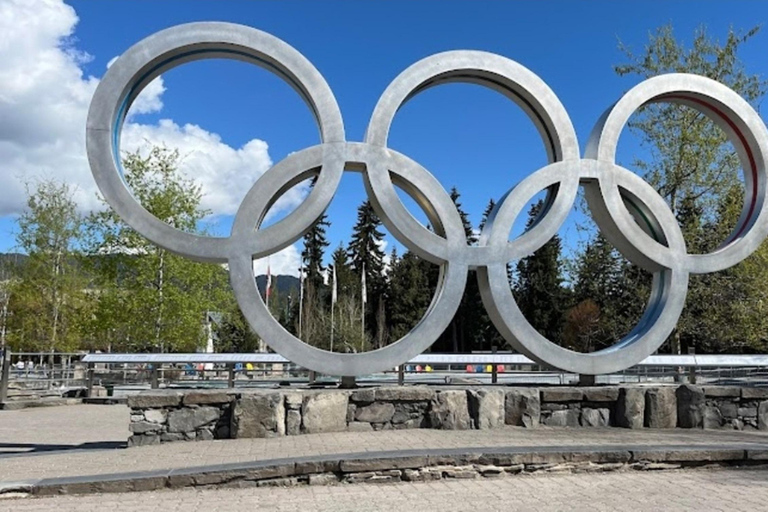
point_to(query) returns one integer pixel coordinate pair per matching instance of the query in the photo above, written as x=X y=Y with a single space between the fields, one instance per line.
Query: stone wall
x=170 y=415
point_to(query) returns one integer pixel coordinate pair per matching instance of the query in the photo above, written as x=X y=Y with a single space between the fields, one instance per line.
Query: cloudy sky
x=232 y=121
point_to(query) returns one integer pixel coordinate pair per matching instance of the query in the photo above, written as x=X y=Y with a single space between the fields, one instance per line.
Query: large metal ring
x=626 y=209
x=169 y=48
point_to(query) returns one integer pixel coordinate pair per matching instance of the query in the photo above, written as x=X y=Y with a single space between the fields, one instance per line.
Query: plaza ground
x=88 y=440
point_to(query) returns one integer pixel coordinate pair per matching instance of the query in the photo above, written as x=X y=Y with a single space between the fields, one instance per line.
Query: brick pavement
x=79 y=426
x=690 y=490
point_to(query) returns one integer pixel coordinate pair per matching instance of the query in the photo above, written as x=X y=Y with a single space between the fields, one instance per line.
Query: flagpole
x=364 y=293
x=333 y=304
x=301 y=296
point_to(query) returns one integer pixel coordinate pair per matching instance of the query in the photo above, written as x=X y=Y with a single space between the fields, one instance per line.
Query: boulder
x=630 y=408
x=661 y=408
x=187 y=420
x=722 y=391
x=601 y=394
x=377 y=412
x=324 y=412
x=522 y=407
x=762 y=416
x=486 y=407
x=142 y=427
x=292 y=422
x=367 y=395
x=153 y=399
x=752 y=393
x=711 y=417
x=690 y=404
x=405 y=394
x=449 y=410
x=565 y=418
x=258 y=415
x=213 y=396
x=595 y=417
x=729 y=409
x=156 y=415
x=561 y=394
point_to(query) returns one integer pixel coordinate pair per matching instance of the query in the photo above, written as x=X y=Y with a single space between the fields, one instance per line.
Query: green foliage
x=689 y=160
x=150 y=299
x=49 y=302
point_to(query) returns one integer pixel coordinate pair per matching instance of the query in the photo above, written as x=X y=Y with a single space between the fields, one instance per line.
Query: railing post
x=230 y=375
x=494 y=369
x=153 y=381
x=401 y=375
x=692 y=368
x=89 y=380
x=311 y=376
x=6 y=368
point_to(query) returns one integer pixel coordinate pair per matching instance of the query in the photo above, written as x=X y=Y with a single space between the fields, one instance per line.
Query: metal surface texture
x=627 y=210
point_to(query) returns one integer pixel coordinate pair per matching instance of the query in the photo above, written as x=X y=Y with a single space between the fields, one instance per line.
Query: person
x=20 y=365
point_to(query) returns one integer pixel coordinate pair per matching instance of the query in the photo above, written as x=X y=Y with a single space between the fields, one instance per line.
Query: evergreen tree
x=411 y=293
x=366 y=253
x=315 y=243
x=539 y=287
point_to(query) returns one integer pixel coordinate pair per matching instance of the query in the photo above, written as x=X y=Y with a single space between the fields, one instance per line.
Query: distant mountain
x=286 y=285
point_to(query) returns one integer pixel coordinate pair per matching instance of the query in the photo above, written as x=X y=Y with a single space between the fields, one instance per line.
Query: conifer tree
x=365 y=252
x=539 y=287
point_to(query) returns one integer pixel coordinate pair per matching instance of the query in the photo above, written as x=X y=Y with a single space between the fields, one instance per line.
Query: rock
x=292 y=422
x=722 y=391
x=729 y=409
x=711 y=418
x=293 y=401
x=204 y=435
x=595 y=417
x=486 y=407
x=661 y=408
x=377 y=412
x=324 y=412
x=601 y=394
x=690 y=404
x=258 y=415
x=351 y=409
x=561 y=394
x=142 y=427
x=323 y=479
x=762 y=416
x=405 y=394
x=156 y=415
x=359 y=426
x=367 y=395
x=630 y=408
x=143 y=440
x=450 y=410
x=222 y=432
x=187 y=420
x=747 y=412
x=754 y=393
x=522 y=407
x=170 y=438
x=206 y=397
x=553 y=406
x=154 y=399
x=566 y=418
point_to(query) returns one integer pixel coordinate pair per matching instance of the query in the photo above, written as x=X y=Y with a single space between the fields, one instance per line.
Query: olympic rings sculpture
x=627 y=210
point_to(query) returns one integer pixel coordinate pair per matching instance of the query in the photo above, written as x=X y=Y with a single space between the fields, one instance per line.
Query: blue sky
x=467 y=136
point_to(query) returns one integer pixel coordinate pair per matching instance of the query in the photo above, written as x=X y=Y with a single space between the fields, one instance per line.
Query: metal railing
x=84 y=370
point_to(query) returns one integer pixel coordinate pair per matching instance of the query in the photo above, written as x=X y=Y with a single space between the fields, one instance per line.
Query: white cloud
x=44 y=99
x=285 y=262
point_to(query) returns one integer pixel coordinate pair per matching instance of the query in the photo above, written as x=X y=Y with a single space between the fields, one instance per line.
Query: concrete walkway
x=85 y=440
x=690 y=490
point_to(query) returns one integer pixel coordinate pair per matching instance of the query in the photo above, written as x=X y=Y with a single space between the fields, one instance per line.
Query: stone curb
x=408 y=465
